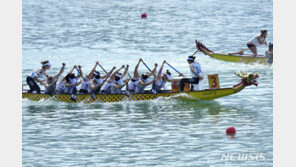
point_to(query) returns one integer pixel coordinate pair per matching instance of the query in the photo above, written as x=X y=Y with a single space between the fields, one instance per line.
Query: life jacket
x=140 y=88
x=51 y=89
x=197 y=69
x=159 y=84
x=255 y=41
x=38 y=74
x=70 y=89
x=61 y=86
x=117 y=90
x=108 y=87
x=133 y=85
x=85 y=84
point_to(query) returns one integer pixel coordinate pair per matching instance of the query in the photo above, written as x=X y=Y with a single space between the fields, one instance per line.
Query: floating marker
x=230 y=130
x=143 y=15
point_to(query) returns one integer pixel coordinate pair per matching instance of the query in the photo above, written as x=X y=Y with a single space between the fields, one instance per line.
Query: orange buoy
x=143 y=15
x=230 y=130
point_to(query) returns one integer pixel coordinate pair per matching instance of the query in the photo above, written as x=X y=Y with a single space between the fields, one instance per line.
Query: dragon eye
x=251 y=76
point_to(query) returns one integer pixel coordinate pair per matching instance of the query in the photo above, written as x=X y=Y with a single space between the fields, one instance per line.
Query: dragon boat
x=233 y=57
x=207 y=94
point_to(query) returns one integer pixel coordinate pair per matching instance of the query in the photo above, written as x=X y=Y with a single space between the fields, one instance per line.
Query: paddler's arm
x=37 y=80
x=121 y=86
x=92 y=85
x=153 y=71
x=158 y=77
x=46 y=85
x=61 y=71
x=147 y=83
x=109 y=73
x=78 y=83
x=68 y=85
x=80 y=72
x=92 y=71
x=136 y=73
x=113 y=75
x=192 y=69
x=261 y=42
x=125 y=71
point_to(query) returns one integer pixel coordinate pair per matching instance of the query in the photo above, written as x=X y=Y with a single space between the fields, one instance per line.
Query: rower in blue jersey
x=196 y=72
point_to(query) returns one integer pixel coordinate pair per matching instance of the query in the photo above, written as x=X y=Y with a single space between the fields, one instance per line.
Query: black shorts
x=32 y=84
x=250 y=45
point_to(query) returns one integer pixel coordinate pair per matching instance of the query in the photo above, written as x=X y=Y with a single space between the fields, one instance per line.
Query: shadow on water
x=149 y=108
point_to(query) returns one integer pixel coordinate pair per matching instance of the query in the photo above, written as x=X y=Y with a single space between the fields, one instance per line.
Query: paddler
x=36 y=76
x=257 y=41
x=269 y=53
x=145 y=81
x=70 y=82
x=50 y=82
x=119 y=83
x=84 y=88
x=162 y=79
x=196 y=72
x=110 y=82
x=60 y=89
x=134 y=81
x=98 y=81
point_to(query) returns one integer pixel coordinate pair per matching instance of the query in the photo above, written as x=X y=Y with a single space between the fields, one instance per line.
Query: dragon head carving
x=248 y=79
x=201 y=47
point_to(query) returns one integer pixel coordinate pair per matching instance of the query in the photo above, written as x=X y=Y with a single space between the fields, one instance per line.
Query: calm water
x=162 y=132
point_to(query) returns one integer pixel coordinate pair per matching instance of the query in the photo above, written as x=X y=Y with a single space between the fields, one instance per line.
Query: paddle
x=174 y=68
x=103 y=68
x=93 y=95
x=146 y=65
x=195 y=52
x=241 y=52
x=73 y=96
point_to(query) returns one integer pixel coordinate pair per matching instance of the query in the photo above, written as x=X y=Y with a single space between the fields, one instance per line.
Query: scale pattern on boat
x=100 y=98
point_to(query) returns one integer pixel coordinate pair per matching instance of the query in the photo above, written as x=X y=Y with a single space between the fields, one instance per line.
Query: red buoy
x=143 y=15
x=230 y=130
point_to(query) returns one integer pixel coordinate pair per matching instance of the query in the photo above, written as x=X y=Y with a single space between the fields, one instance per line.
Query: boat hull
x=243 y=59
x=233 y=57
x=195 y=95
